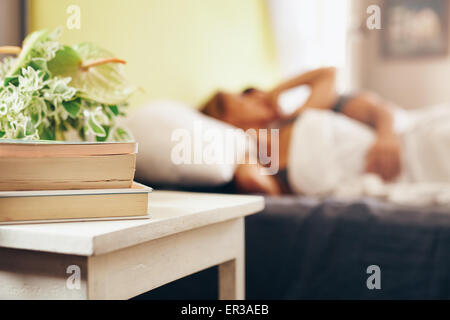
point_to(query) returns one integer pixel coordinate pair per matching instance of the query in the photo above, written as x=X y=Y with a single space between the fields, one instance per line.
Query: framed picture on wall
x=415 y=28
x=13 y=22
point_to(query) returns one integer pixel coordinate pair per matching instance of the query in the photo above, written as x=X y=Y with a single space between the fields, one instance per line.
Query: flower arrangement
x=51 y=89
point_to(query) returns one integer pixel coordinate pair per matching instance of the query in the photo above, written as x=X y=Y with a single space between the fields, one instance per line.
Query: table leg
x=231 y=280
x=232 y=273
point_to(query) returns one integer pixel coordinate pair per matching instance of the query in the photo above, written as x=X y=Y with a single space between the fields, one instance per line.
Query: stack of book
x=54 y=181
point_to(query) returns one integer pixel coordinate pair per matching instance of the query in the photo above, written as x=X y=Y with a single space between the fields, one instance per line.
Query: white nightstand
x=188 y=232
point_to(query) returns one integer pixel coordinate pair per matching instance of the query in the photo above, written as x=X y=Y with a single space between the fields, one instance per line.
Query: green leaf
x=34 y=118
x=39 y=64
x=121 y=134
x=62 y=127
x=65 y=63
x=28 y=45
x=50 y=107
x=29 y=129
x=102 y=139
x=82 y=134
x=46 y=133
x=114 y=110
x=74 y=122
x=72 y=107
x=14 y=80
x=96 y=128
x=20 y=134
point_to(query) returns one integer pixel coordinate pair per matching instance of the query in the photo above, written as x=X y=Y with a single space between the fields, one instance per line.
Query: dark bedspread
x=301 y=248
x=311 y=249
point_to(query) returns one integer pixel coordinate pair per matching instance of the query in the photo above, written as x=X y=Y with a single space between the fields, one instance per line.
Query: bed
x=307 y=248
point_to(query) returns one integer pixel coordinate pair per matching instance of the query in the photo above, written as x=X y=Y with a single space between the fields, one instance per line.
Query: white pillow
x=159 y=128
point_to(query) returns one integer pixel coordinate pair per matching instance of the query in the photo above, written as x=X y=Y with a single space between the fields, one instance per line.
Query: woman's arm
x=307 y=78
x=249 y=179
x=371 y=110
x=323 y=89
x=384 y=157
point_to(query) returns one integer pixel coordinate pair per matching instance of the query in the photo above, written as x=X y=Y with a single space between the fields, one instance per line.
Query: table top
x=171 y=212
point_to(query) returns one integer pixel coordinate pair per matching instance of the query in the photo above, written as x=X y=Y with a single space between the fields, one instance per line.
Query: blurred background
x=185 y=50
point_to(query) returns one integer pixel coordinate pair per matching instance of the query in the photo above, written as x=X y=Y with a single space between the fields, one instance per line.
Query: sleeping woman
x=331 y=143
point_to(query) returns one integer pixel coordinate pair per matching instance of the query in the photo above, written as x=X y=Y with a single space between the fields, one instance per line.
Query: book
x=18 y=207
x=60 y=166
x=46 y=148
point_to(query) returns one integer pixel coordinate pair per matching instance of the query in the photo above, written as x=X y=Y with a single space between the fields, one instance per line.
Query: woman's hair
x=215 y=106
x=248 y=91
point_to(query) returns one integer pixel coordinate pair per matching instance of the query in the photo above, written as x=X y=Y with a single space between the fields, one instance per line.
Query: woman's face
x=248 y=110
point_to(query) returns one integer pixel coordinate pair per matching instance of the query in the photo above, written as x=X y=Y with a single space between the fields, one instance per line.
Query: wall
x=411 y=83
x=178 y=49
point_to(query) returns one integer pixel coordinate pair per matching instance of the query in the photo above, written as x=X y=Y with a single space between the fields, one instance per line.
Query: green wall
x=177 y=49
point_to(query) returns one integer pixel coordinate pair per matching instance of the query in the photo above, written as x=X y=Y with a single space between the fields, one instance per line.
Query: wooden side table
x=188 y=232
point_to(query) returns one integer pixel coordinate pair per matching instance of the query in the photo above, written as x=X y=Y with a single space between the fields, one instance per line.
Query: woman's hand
x=384 y=157
x=272 y=100
x=248 y=179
